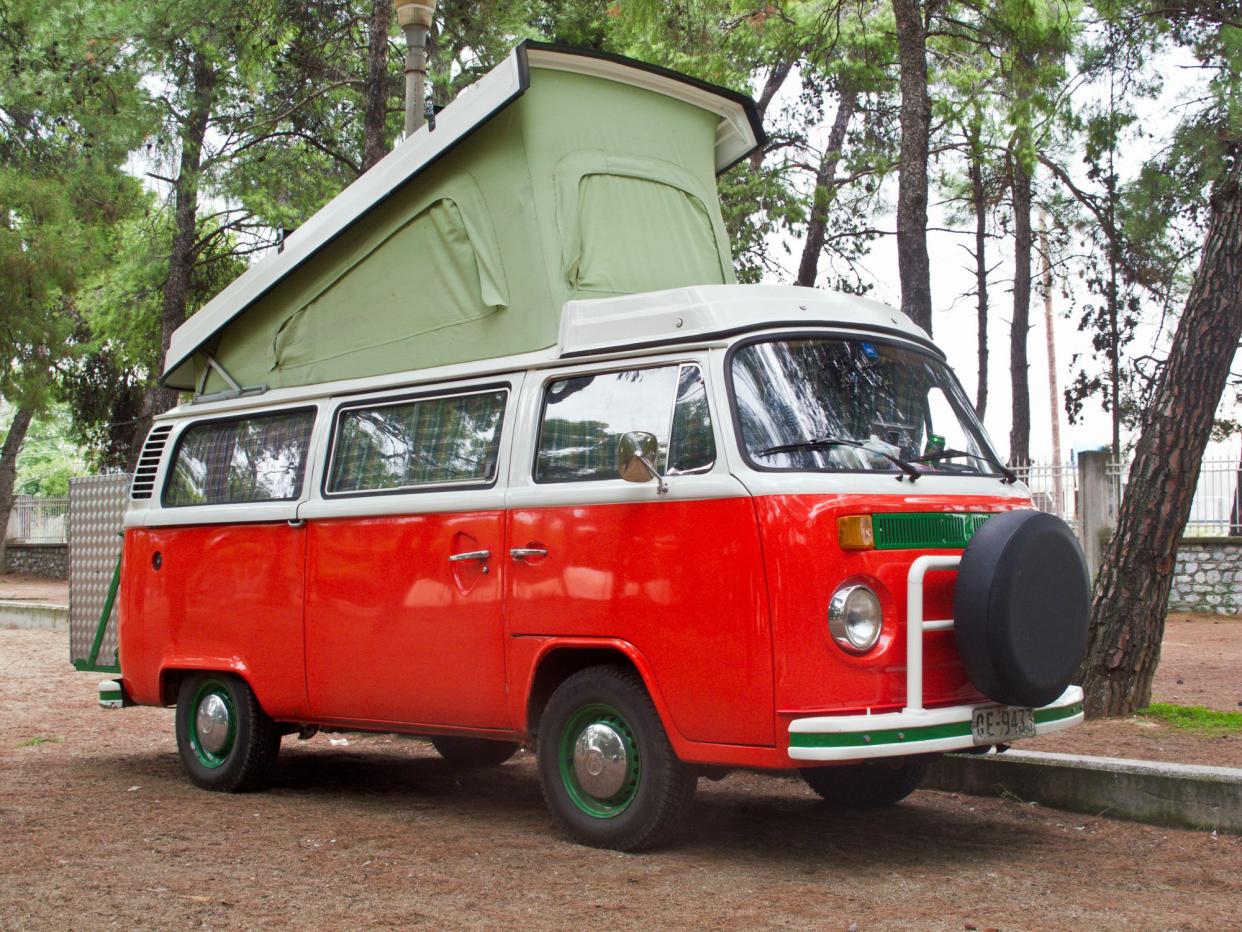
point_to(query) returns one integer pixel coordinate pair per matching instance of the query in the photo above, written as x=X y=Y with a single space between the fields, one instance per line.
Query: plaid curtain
x=425 y=442
x=255 y=459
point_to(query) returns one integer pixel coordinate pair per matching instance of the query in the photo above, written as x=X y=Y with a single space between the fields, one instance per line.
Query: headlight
x=854 y=618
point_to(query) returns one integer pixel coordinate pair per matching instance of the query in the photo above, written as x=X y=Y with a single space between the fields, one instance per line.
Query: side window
x=584 y=417
x=691 y=448
x=405 y=444
x=252 y=459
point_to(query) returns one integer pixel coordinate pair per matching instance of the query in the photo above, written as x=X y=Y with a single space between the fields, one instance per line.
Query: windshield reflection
x=854 y=405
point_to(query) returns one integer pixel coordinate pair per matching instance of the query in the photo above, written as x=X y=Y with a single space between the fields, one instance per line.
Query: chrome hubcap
x=212 y=723
x=600 y=761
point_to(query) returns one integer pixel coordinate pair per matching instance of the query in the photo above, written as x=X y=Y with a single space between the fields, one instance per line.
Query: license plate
x=1003 y=723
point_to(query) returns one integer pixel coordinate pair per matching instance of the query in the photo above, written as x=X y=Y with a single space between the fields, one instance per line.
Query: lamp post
x=415 y=17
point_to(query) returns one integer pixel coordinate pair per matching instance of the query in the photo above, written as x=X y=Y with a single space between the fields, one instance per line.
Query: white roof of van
x=707 y=311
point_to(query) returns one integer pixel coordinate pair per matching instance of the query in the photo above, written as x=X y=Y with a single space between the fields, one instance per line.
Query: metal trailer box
x=96 y=510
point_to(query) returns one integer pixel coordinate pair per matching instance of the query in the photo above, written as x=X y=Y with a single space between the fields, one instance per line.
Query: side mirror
x=636 y=455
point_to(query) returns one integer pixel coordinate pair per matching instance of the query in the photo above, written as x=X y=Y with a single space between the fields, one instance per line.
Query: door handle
x=471 y=555
x=521 y=553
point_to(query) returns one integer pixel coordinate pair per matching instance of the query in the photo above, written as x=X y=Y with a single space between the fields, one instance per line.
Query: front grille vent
x=149 y=462
x=925 y=531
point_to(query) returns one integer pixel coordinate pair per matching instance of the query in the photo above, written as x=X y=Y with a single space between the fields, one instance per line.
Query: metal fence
x=39 y=520
x=1216 y=510
x=1054 y=489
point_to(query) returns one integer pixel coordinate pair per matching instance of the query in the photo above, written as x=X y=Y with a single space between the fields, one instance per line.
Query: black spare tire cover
x=1020 y=608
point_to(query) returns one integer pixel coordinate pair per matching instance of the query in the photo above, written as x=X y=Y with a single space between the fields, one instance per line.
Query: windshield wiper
x=1010 y=476
x=825 y=442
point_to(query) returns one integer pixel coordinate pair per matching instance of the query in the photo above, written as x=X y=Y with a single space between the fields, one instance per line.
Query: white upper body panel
x=696 y=325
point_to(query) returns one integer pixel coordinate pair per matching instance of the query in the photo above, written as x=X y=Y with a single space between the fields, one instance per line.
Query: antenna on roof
x=415 y=17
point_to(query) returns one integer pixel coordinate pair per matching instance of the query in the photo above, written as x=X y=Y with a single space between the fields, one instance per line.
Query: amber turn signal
x=854 y=533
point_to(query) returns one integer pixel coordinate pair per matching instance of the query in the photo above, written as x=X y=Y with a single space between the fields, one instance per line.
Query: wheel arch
x=173 y=675
x=561 y=659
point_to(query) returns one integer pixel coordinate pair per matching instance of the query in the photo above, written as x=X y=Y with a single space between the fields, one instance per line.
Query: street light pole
x=415 y=17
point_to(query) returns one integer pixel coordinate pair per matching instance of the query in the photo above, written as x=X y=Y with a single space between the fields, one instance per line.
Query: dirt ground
x=101 y=829
x=19 y=587
x=1200 y=664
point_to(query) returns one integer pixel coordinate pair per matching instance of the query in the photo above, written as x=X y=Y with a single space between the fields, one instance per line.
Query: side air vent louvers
x=149 y=462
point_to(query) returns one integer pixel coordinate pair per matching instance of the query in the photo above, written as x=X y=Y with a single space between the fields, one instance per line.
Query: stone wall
x=50 y=560
x=1208 y=577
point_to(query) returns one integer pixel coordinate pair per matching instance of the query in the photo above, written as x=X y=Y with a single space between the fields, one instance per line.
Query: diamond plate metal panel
x=96 y=509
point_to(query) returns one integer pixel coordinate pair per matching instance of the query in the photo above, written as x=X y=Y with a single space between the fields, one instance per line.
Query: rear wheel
x=606 y=767
x=874 y=784
x=225 y=740
x=474 y=752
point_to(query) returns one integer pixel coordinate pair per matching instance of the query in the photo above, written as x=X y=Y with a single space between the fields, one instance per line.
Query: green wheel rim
x=583 y=718
x=211 y=759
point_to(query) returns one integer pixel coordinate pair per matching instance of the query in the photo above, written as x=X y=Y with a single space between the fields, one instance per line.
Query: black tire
x=874 y=784
x=474 y=752
x=243 y=758
x=656 y=788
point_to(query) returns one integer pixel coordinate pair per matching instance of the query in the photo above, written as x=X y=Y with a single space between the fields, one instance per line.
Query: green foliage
x=67 y=123
x=49 y=458
x=38 y=741
x=1195 y=719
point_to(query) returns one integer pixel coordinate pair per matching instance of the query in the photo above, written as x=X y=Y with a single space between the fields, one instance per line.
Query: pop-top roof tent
x=562 y=174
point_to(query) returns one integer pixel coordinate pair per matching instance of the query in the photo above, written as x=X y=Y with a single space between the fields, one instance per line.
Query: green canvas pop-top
x=561 y=174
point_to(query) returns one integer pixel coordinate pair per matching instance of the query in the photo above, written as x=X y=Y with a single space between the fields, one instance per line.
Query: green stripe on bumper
x=912 y=735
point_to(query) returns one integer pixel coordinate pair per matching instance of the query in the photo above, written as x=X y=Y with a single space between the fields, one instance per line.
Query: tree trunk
x=825 y=190
x=1132 y=591
x=776 y=77
x=1020 y=431
x=375 y=93
x=1054 y=393
x=181 y=253
x=978 y=196
x=8 y=470
x=913 y=266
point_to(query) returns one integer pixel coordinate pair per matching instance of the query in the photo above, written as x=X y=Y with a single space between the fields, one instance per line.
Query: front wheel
x=606 y=767
x=874 y=784
x=226 y=741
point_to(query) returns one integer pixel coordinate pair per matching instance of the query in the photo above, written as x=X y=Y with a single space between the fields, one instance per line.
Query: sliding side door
x=404 y=621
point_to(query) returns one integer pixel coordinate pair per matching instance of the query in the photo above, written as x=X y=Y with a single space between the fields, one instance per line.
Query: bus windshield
x=854 y=405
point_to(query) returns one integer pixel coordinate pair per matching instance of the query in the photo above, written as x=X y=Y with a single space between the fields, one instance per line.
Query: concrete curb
x=34 y=615
x=1180 y=795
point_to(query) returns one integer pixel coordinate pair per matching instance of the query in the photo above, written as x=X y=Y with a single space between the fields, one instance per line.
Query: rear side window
x=406 y=444
x=585 y=416
x=252 y=459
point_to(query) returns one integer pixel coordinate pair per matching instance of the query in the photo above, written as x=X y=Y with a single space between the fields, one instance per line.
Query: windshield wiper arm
x=824 y=442
x=1010 y=476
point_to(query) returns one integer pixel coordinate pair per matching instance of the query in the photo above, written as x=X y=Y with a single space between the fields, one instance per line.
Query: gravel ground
x=101 y=829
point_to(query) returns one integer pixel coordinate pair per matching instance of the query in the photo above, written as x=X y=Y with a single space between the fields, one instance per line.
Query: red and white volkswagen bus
x=713 y=527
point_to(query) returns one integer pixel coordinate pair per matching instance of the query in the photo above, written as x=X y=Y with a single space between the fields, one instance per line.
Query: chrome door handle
x=521 y=553
x=471 y=555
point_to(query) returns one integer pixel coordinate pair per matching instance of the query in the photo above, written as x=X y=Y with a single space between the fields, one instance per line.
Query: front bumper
x=926 y=731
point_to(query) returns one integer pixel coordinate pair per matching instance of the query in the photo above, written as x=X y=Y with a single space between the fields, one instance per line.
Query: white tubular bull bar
x=916 y=625
x=915 y=729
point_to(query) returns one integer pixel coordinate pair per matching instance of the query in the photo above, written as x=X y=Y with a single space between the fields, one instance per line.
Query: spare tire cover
x=1020 y=608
